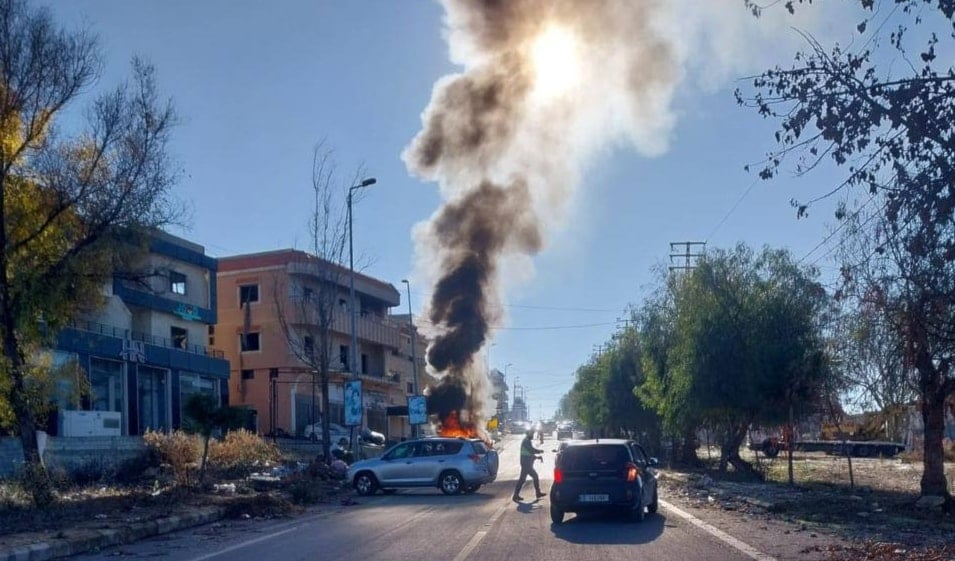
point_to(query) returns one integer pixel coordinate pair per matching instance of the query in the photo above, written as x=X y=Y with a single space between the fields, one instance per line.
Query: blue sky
x=258 y=84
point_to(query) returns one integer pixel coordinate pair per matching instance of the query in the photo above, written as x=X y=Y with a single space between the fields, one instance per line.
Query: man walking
x=528 y=455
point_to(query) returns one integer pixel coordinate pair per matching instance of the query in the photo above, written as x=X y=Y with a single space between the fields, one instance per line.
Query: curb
x=99 y=539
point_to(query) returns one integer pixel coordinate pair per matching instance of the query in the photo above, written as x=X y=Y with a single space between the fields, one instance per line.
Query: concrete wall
x=71 y=453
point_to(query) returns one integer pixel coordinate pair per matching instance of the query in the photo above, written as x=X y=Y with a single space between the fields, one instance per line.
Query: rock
x=930 y=502
x=705 y=481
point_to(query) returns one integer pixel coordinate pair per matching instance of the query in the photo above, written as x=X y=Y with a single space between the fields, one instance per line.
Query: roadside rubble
x=869 y=523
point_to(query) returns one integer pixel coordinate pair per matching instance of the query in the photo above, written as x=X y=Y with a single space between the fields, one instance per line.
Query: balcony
x=155 y=340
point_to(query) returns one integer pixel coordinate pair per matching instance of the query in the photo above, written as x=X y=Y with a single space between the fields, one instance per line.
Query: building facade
x=269 y=330
x=145 y=351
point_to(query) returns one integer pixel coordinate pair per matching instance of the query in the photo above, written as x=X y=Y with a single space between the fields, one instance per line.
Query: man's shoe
x=539 y=494
x=517 y=498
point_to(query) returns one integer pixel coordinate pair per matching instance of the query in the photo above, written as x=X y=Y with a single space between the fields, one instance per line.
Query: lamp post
x=353 y=358
x=353 y=366
x=414 y=358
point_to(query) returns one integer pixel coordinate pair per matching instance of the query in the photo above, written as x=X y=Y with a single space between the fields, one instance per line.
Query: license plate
x=593 y=498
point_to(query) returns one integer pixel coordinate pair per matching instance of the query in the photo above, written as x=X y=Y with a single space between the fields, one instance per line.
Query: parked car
x=564 y=432
x=369 y=436
x=454 y=465
x=336 y=432
x=604 y=475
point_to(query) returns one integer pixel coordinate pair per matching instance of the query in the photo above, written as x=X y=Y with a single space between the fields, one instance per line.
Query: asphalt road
x=425 y=525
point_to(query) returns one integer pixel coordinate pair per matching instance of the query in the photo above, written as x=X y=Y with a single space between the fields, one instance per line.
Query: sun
x=555 y=59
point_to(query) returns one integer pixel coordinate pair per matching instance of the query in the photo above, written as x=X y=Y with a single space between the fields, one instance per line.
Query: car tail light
x=476 y=458
x=558 y=475
x=631 y=471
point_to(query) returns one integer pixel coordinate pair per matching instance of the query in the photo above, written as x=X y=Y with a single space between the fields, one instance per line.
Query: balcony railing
x=155 y=340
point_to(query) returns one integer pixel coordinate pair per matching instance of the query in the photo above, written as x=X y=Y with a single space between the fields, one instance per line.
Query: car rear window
x=479 y=447
x=594 y=458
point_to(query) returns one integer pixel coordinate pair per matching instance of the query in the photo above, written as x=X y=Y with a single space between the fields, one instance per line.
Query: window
x=250 y=342
x=190 y=385
x=364 y=363
x=180 y=337
x=307 y=294
x=308 y=345
x=248 y=293
x=248 y=374
x=343 y=356
x=410 y=388
x=177 y=282
x=106 y=385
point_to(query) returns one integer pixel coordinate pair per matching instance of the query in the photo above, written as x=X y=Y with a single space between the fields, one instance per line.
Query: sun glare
x=556 y=62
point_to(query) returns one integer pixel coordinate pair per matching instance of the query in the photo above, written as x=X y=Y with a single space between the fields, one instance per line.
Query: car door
x=396 y=465
x=440 y=456
x=648 y=473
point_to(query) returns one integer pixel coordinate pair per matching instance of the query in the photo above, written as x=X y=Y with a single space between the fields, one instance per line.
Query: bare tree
x=70 y=207
x=308 y=310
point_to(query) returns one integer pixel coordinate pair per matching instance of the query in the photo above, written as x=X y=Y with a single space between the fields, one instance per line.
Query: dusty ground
x=875 y=519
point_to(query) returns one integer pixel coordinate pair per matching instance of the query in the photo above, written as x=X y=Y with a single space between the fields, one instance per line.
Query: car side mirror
x=653 y=462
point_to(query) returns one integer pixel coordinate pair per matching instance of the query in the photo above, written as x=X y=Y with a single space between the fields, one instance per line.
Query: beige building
x=259 y=292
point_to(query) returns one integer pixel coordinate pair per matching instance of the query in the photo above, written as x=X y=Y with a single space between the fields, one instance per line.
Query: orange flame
x=451 y=426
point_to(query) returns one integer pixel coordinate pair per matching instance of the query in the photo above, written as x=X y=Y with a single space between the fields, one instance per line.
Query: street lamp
x=414 y=359
x=351 y=289
x=353 y=366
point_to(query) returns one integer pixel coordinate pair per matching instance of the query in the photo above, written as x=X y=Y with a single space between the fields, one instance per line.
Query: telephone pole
x=692 y=251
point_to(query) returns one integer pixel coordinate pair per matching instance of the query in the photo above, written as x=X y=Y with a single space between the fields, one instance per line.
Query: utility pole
x=692 y=251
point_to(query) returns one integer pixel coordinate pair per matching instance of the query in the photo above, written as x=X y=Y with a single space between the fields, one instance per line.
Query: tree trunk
x=35 y=475
x=688 y=456
x=932 y=390
x=729 y=451
x=933 y=481
x=205 y=458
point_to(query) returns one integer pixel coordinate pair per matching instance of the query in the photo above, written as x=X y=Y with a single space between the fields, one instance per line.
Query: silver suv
x=454 y=465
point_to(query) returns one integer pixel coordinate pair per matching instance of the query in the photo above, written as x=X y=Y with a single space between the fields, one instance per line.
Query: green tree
x=881 y=110
x=69 y=206
x=206 y=416
x=665 y=389
x=747 y=344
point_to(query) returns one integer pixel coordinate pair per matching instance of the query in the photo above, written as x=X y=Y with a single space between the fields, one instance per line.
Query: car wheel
x=556 y=514
x=654 y=504
x=366 y=483
x=639 y=513
x=471 y=489
x=770 y=449
x=450 y=483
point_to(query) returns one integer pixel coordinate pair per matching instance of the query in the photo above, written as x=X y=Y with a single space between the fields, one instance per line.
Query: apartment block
x=269 y=331
x=145 y=351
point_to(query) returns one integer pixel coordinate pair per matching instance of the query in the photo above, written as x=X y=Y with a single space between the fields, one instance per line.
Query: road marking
x=297 y=525
x=740 y=545
x=479 y=535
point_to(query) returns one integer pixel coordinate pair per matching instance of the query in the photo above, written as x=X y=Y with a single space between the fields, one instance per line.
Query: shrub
x=177 y=450
x=240 y=451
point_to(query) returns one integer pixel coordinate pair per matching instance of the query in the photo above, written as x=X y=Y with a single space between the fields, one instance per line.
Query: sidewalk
x=50 y=545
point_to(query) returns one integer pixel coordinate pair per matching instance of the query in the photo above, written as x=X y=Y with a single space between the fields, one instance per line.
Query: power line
x=731 y=210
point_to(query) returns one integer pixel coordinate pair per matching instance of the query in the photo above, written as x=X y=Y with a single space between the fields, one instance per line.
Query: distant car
x=313 y=432
x=604 y=475
x=454 y=465
x=369 y=436
x=564 y=433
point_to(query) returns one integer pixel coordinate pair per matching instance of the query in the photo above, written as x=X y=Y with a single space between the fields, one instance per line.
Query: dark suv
x=603 y=475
